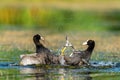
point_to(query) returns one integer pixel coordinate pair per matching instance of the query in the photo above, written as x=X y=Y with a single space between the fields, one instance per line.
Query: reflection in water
x=8 y=72
x=98 y=70
x=59 y=73
x=34 y=73
x=62 y=72
x=54 y=74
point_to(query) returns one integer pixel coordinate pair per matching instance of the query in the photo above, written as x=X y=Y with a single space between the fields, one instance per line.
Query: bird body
x=81 y=57
x=42 y=56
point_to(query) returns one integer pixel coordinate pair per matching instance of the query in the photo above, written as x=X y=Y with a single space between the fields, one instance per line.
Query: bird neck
x=90 y=48
x=37 y=42
x=38 y=45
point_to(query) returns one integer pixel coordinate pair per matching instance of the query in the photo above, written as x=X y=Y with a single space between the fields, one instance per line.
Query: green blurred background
x=60 y=15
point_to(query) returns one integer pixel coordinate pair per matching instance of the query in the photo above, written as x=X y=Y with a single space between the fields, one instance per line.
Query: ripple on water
x=99 y=70
x=96 y=66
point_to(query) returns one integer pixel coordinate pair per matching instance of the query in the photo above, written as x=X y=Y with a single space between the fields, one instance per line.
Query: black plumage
x=81 y=57
x=39 y=46
x=43 y=52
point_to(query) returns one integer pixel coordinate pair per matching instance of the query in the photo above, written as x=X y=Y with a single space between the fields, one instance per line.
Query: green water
x=10 y=70
x=40 y=73
x=106 y=64
x=60 y=21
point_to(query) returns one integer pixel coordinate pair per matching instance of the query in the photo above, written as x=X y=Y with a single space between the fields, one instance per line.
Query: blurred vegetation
x=113 y=20
x=59 y=19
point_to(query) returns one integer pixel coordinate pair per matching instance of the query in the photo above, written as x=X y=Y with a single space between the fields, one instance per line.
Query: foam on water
x=103 y=64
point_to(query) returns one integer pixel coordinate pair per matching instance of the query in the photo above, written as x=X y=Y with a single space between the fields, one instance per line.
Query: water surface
x=98 y=71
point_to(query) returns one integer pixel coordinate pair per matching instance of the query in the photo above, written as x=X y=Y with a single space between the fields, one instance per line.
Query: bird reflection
x=54 y=74
x=34 y=73
x=62 y=72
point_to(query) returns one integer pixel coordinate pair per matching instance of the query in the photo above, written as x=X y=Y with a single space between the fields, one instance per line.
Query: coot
x=81 y=57
x=39 y=46
x=42 y=56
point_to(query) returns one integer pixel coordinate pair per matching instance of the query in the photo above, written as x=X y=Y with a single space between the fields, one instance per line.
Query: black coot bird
x=43 y=52
x=42 y=56
x=81 y=57
x=39 y=46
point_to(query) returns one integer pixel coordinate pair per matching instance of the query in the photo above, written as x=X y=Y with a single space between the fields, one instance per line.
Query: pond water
x=105 y=61
x=97 y=71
